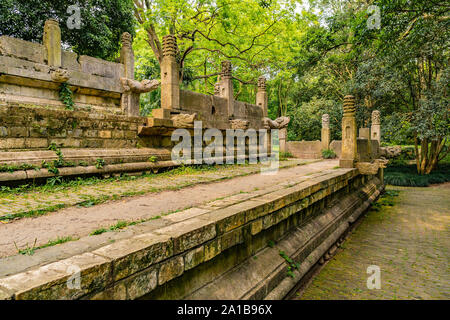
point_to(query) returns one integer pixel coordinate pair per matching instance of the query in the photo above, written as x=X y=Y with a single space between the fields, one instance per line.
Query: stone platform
x=187 y=253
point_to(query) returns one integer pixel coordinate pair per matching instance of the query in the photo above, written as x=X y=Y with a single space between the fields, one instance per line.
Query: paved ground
x=409 y=242
x=181 y=191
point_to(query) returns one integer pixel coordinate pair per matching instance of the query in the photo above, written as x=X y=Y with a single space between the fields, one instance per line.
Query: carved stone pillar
x=226 y=87
x=282 y=135
x=170 y=87
x=325 y=137
x=52 y=43
x=127 y=55
x=129 y=100
x=349 y=142
x=376 y=126
x=261 y=95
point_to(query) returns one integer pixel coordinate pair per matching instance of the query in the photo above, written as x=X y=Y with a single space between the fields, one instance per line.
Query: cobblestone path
x=409 y=242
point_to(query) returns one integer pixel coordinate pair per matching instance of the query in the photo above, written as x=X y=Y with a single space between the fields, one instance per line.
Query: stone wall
x=213 y=110
x=305 y=149
x=204 y=252
x=26 y=77
x=27 y=127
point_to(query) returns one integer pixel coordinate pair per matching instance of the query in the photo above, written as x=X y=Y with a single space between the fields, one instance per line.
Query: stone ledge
x=207 y=232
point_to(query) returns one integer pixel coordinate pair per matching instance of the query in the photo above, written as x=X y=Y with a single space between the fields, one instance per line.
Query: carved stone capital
x=376 y=117
x=170 y=46
x=279 y=123
x=326 y=121
x=371 y=168
x=60 y=75
x=130 y=85
x=261 y=83
x=126 y=40
x=226 y=69
x=183 y=120
x=349 y=106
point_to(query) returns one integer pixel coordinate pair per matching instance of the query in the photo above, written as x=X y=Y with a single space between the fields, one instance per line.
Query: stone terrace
x=80 y=221
x=208 y=227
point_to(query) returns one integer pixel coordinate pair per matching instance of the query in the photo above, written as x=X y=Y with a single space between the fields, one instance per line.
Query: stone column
x=130 y=100
x=127 y=55
x=226 y=86
x=325 y=137
x=52 y=43
x=170 y=75
x=349 y=142
x=261 y=95
x=376 y=126
x=282 y=135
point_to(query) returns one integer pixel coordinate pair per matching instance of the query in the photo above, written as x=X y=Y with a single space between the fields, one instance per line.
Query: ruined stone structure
x=325 y=133
x=105 y=103
x=376 y=126
x=261 y=95
x=349 y=129
x=215 y=251
x=218 y=251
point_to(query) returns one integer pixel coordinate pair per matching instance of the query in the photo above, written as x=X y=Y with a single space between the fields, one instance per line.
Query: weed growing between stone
x=30 y=250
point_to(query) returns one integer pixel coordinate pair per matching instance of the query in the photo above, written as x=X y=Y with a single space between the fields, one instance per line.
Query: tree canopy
x=102 y=23
x=392 y=55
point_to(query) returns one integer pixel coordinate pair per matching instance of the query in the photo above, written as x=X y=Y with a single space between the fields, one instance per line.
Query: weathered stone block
x=231 y=239
x=105 y=134
x=116 y=292
x=21 y=49
x=36 y=143
x=212 y=249
x=136 y=253
x=188 y=234
x=12 y=143
x=141 y=283
x=256 y=227
x=170 y=270
x=58 y=280
x=226 y=219
x=17 y=132
x=194 y=257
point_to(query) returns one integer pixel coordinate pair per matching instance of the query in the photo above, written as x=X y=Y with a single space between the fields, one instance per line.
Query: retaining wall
x=208 y=252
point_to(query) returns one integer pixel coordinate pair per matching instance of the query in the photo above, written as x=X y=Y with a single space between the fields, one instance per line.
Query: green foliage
x=406 y=175
x=55 y=164
x=12 y=168
x=285 y=156
x=66 y=96
x=30 y=250
x=100 y=163
x=396 y=130
x=153 y=159
x=328 y=154
x=292 y=265
x=102 y=23
x=98 y=231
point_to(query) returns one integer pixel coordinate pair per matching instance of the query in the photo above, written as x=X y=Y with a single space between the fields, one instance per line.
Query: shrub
x=328 y=154
x=407 y=176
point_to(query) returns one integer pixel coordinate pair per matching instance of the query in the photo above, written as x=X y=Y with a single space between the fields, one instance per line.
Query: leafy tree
x=413 y=71
x=102 y=23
